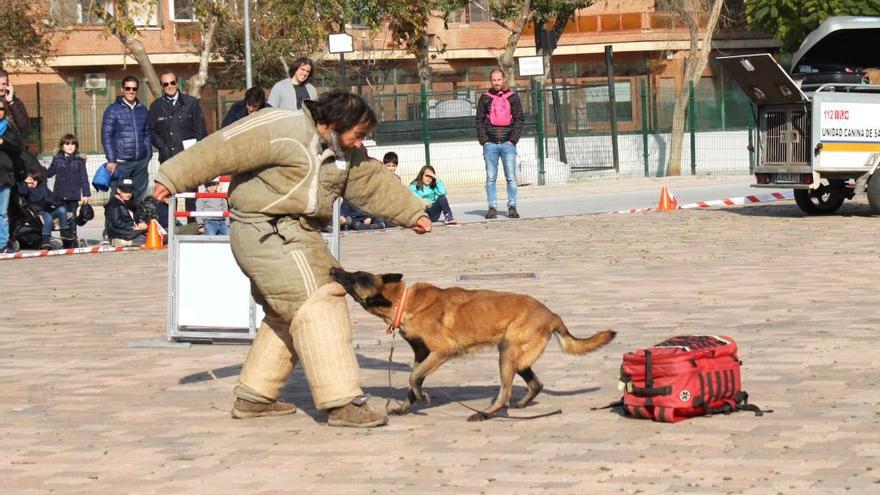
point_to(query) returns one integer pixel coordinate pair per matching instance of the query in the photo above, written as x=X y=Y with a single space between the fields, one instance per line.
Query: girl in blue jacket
x=71 y=179
x=432 y=191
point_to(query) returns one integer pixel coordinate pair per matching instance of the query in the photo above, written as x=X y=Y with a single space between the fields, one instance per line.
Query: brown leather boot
x=243 y=409
x=356 y=414
x=512 y=213
x=493 y=213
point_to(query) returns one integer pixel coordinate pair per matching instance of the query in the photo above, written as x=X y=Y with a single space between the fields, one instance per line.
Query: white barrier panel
x=212 y=291
x=209 y=297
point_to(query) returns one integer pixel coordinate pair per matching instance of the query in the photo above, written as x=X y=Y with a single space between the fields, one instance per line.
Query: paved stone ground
x=83 y=412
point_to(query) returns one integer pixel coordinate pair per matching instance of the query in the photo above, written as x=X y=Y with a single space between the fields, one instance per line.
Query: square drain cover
x=496 y=276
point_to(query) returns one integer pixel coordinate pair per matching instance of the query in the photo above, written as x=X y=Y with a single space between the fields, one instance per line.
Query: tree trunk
x=505 y=59
x=198 y=81
x=698 y=57
x=139 y=53
x=423 y=62
x=677 y=137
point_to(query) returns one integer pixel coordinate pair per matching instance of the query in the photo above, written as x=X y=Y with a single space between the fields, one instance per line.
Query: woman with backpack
x=71 y=180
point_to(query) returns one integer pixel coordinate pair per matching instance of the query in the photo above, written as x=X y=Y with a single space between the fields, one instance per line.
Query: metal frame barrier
x=215 y=302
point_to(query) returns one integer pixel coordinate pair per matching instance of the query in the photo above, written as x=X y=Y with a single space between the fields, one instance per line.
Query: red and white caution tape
x=220 y=195
x=62 y=252
x=197 y=214
x=744 y=200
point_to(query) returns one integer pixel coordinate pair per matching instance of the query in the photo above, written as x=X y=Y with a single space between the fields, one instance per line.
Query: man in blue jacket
x=125 y=134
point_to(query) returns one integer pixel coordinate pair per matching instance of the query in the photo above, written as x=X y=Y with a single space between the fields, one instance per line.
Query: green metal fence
x=568 y=133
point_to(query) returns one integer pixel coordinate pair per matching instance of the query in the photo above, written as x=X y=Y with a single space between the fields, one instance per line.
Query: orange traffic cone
x=154 y=238
x=667 y=201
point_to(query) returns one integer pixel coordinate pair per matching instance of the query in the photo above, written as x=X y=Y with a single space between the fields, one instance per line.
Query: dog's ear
x=390 y=278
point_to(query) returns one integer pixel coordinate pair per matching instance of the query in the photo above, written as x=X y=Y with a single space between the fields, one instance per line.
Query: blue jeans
x=440 y=206
x=60 y=213
x=216 y=227
x=5 y=191
x=507 y=153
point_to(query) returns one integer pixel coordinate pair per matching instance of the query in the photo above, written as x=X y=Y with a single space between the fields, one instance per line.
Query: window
x=76 y=11
x=597 y=103
x=478 y=11
x=182 y=10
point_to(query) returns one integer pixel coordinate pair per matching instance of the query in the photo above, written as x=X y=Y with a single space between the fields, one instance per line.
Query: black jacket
x=120 y=221
x=487 y=132
x=237 y=111
x=39 y=199
x=71 y=178
x=172 y=125
x=19 y=115
x=10 y=151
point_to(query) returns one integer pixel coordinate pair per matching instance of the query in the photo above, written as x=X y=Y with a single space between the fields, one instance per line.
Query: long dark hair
x=418 y=180
x=300 y=62
x=342 y=111
x=67 y=139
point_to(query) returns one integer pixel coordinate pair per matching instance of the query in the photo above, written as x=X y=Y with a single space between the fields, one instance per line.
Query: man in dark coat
x=499 y=139
x=254 y=100
x=177 y=122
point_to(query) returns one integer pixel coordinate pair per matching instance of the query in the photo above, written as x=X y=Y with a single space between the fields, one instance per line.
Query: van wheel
x=822 y=201
x=873 y=192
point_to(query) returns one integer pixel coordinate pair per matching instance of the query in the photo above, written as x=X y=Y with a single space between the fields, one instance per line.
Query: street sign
x=341 y=43
x=531 y=66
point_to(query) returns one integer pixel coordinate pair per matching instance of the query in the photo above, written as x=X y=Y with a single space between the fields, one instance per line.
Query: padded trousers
x=306 y=314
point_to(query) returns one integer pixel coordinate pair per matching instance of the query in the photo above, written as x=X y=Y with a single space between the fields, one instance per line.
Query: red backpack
x=684 y=377
x=500 y=114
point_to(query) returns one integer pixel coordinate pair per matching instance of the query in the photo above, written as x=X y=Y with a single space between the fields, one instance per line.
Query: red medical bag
x=684 y=377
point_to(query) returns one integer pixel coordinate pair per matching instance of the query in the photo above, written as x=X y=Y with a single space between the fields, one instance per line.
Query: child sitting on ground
x=212 y=225
x=39 y=199
x=432 y=191
x=390 y=162
x=122 y=229
x=352 y=218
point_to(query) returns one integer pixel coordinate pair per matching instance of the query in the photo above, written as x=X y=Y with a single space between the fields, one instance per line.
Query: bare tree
x=698 y=56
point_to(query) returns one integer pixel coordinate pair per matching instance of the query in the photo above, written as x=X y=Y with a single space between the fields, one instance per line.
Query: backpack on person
x=500 y=114
x=683 y=377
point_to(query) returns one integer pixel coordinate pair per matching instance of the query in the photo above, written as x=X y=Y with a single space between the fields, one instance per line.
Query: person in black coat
x=176 y=119
x=39 y=200
x=11 y=146
x=254 y=100
x=120 y=213
x=176 y=123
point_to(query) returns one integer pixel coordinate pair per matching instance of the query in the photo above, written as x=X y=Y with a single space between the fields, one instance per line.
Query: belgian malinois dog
x=441 y=323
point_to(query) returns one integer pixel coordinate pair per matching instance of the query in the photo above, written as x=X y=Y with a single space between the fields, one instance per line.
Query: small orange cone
x=667 y=202
x=154 y=238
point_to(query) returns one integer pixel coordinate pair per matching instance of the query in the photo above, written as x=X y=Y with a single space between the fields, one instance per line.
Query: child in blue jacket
x=71 y=178
x=432 y=191
x=39 y=199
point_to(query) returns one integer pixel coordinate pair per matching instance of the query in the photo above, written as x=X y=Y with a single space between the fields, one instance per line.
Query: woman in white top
x=290 y=93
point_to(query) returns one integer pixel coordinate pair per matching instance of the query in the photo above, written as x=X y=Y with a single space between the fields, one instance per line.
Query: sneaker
x=451 y=221
x=121 y=243
x=8 y=250
x=244 y=409
x=512 y=213
x=46 y=246
x=493 y=213
x=355 y=414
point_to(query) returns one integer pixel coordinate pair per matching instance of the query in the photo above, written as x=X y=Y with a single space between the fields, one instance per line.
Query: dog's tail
x=574 y=345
